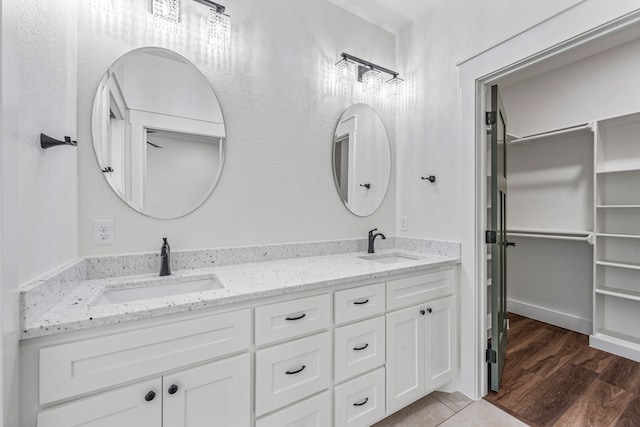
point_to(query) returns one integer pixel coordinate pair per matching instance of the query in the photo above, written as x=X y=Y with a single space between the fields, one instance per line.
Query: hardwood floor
x=553 y=378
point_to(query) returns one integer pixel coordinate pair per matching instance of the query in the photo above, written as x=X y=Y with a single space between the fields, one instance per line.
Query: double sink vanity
x=305 y=334
x=271 y=336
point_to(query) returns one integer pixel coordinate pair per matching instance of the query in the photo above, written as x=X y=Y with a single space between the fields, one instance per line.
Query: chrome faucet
x=165 y=258
x=372 y=238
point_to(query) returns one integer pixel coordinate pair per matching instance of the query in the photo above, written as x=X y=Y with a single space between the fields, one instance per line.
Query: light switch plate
x=103 y=232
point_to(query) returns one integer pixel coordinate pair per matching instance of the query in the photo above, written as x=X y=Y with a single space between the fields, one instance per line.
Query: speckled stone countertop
x=76 y=309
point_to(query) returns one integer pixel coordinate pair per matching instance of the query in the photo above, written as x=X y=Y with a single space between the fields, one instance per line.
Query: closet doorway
x=573 y=172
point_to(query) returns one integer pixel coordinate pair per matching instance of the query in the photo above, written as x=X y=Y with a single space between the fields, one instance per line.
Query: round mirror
x=158 y=132
x=361 y=159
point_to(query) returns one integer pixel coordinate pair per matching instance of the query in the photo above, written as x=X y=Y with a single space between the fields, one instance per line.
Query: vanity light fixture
x=345 y=71
x=169 y=10
x=369 y=74
x=219 y=26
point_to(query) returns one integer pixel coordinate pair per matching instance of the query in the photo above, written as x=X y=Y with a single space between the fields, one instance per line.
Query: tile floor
x=450 y=410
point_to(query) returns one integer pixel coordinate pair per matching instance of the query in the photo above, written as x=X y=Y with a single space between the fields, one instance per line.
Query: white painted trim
x=612 y=344
x=553 y=317
x=585 y=22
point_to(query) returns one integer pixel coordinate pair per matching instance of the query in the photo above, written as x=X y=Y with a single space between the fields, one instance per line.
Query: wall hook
x=47 y=142
x=367 y=186
x=430 y=178
x=107 y=169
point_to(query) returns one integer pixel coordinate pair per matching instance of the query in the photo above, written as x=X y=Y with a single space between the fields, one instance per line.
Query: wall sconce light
x=219 y=26
x=369 y=74
x=169 y=10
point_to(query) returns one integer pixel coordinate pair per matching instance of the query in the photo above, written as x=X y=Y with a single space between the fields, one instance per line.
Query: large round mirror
x=361 y=159
x=158 y=132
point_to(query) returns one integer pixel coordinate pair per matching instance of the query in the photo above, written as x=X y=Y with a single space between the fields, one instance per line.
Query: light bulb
x=219 y=30
x=393 y=88
x=371 y=82
x=345 y=72
x=169 y=10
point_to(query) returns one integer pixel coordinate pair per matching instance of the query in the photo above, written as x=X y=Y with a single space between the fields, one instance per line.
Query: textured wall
x=280 y=106
x=47 y=179
x=428 y=126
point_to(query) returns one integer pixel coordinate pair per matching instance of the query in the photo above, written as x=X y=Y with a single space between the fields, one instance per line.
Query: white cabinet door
x=131 y=406
x=216 y=394
x=440 y=343
x=405 y=357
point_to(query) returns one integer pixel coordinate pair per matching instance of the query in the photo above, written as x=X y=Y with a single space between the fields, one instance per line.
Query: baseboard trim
x=557 y=318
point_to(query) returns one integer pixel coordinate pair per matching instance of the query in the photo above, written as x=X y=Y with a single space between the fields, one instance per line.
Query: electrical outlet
x=403 y=224
x=103 y=232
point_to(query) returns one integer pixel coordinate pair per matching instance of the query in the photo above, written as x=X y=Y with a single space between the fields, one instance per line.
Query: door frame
x=584 y=23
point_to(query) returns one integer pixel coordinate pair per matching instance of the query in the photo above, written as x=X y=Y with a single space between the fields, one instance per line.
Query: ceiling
x=391 y=15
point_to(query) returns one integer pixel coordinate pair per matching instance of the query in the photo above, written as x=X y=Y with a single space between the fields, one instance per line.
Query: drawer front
x=360 y=402
x=418 y=289
x=292 y=371
x=276 y=322
x=358 y=303
x=70 y=369
x=313 y=412
x=359 y=348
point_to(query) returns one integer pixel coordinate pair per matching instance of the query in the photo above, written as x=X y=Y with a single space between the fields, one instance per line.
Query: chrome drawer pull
x=296 y=318
x=361 y=302
x=364 y=402
x=295 y=372
x=361 y=348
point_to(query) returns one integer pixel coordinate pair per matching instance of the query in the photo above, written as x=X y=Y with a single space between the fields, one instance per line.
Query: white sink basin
x=390 y=258
x=137 y=293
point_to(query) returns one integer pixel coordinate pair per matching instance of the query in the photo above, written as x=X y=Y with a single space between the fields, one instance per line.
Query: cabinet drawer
x=292 y=371
x=275 y=322
x=70 y=369
x=359 y=348
x=358 y=303
x=417 y=289
x=360 y=402
x=313 y=412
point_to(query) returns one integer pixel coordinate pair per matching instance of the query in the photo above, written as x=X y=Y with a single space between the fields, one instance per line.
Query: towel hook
x=47 y=142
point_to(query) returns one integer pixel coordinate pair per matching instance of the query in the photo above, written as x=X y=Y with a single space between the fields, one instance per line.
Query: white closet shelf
x=619 y=264
x=617 y=206
x=621 y=236
x=617 y=170
x=618 y=293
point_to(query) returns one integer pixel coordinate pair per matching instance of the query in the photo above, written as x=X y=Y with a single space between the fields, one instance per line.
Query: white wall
x=428 y=127
x=429 y=141
x=47 y=179
x=280 y=106
x=597 y=87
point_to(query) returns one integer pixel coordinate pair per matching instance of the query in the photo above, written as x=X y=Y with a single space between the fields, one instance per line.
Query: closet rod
x=587 y=126
x=588 y=238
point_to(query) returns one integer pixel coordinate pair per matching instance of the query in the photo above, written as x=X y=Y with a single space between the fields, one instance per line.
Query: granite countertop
x=242 y=282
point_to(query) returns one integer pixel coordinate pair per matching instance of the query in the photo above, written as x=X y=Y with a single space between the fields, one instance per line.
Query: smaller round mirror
x=361 y=159
x=158 y=132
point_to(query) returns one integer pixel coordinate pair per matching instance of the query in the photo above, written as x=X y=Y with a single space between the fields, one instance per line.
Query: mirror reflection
x=158 y=132
x=361 y=159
